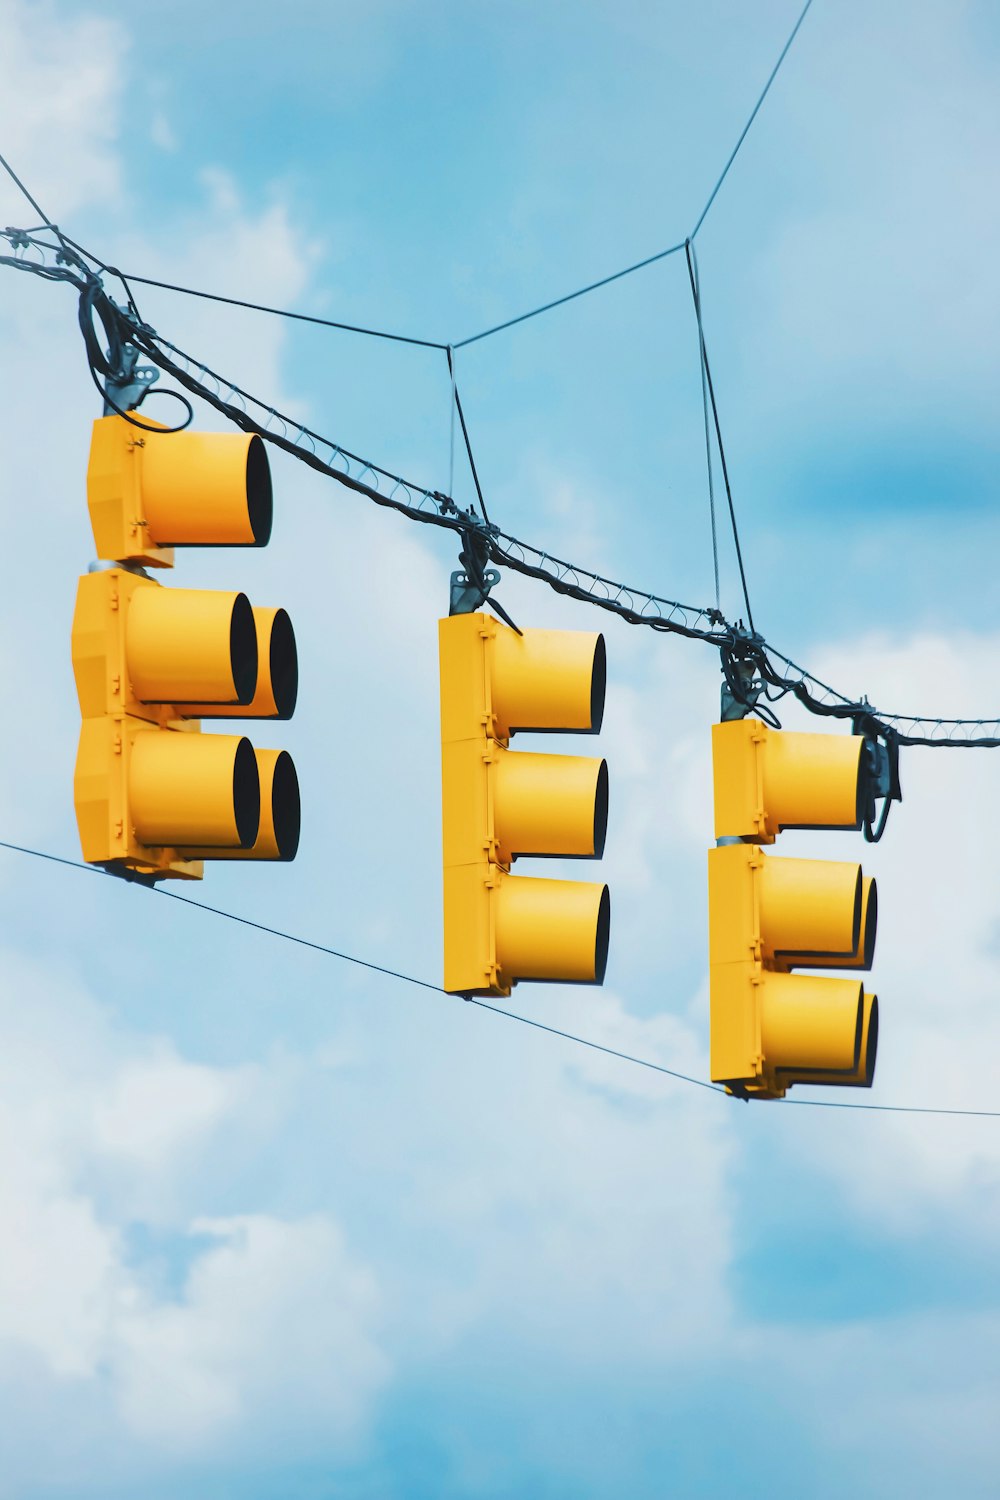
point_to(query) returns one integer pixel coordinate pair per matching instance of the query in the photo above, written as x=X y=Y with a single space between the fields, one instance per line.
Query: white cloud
x=62 y=78
x=876 y=297
x=276 y=1317
x=272 y=1334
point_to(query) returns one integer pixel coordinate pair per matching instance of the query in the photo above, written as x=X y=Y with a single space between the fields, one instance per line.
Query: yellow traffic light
x=151 y=491
x=153 y=794
x=499 y=804
x=771 y=1028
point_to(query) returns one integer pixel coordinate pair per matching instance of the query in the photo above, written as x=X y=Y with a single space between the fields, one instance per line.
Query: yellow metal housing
x=498 y=804
x=153 y=490
x=277 y=675
x=141 y=790
x=767 y=780
x=864 y=951
x=770 y=1028
x=280 y=817
x=141 y=649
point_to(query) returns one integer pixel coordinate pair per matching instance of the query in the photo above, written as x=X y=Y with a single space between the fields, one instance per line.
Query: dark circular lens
x=871 y=922
x=284 y=663
x=601 y=810
x=603 y=937
x=285 y=807
x=598 y=684
x=260 y=504
x=872 y=1047
x=243 y=649
x=246 y=794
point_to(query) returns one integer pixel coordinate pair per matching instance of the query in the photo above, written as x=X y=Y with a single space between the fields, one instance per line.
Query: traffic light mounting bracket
x=129 y=386
x=471 y=584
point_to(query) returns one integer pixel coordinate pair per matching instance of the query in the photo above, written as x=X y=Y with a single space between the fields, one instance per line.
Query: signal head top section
x=767 y=780
x=151 y=491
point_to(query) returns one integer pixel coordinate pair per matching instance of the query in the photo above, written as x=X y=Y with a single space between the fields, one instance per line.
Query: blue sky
x=270 y=1224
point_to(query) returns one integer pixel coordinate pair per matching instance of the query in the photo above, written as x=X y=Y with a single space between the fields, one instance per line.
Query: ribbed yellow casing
x=771 y=1028
x=497 y=803
x=148 y=491
x=767 y=779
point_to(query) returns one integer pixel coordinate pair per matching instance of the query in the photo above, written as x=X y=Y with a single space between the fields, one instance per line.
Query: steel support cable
x=708 y=454
x=582 y=291
x=636 y=606
x=465 y=433
x=424 y=984
x=753 y=115
x=278 y=312
x=707 y=372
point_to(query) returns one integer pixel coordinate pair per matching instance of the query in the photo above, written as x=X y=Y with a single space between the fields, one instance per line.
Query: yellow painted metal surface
x=771 y=1028
x=101 y=798
x=193 y=789
x=499 y=803
x=148 y=492
x=138 y=648
x=767 y=779
x=277 y=675
x=150 y=790
x=864 y=951
x=278 y=834
x=152 y=793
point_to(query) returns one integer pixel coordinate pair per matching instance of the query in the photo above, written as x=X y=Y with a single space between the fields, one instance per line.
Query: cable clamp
x=471 y=584
x=743 y=683
x=128 y=387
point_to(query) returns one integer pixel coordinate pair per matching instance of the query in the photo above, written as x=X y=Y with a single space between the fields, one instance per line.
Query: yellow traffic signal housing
x=772 y=1028
x=767 y=780
x=151 y=491
x=152 y=793
x=499 y=804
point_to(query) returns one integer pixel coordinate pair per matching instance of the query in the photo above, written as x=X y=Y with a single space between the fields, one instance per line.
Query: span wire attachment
x=471 y=584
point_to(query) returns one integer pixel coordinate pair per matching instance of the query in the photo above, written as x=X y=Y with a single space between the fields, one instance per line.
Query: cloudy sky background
x=270 y=1224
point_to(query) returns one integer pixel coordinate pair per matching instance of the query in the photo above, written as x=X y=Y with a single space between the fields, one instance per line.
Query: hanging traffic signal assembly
x=154 y=796
x=499 y=804
x=771 y=1028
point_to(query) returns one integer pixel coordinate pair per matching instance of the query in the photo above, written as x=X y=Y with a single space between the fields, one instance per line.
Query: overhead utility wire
x=279 y=312
x=582 y=291
x=510 y=1015
x=708 y=451
x=465 y=434
x=570 y=296
x=753 y=115
x=637 y=606
x=692 y=266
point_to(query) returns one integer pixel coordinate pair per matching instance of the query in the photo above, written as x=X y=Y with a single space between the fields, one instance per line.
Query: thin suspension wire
x=416 y=502
x=48 y=224
x=451 y=425
x=465 y=433
x=592 y=286
x=743 y=134
x=692 y=265
x=278 y=312
x=497 y=1010
x=571 y=296
x=708 y=459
